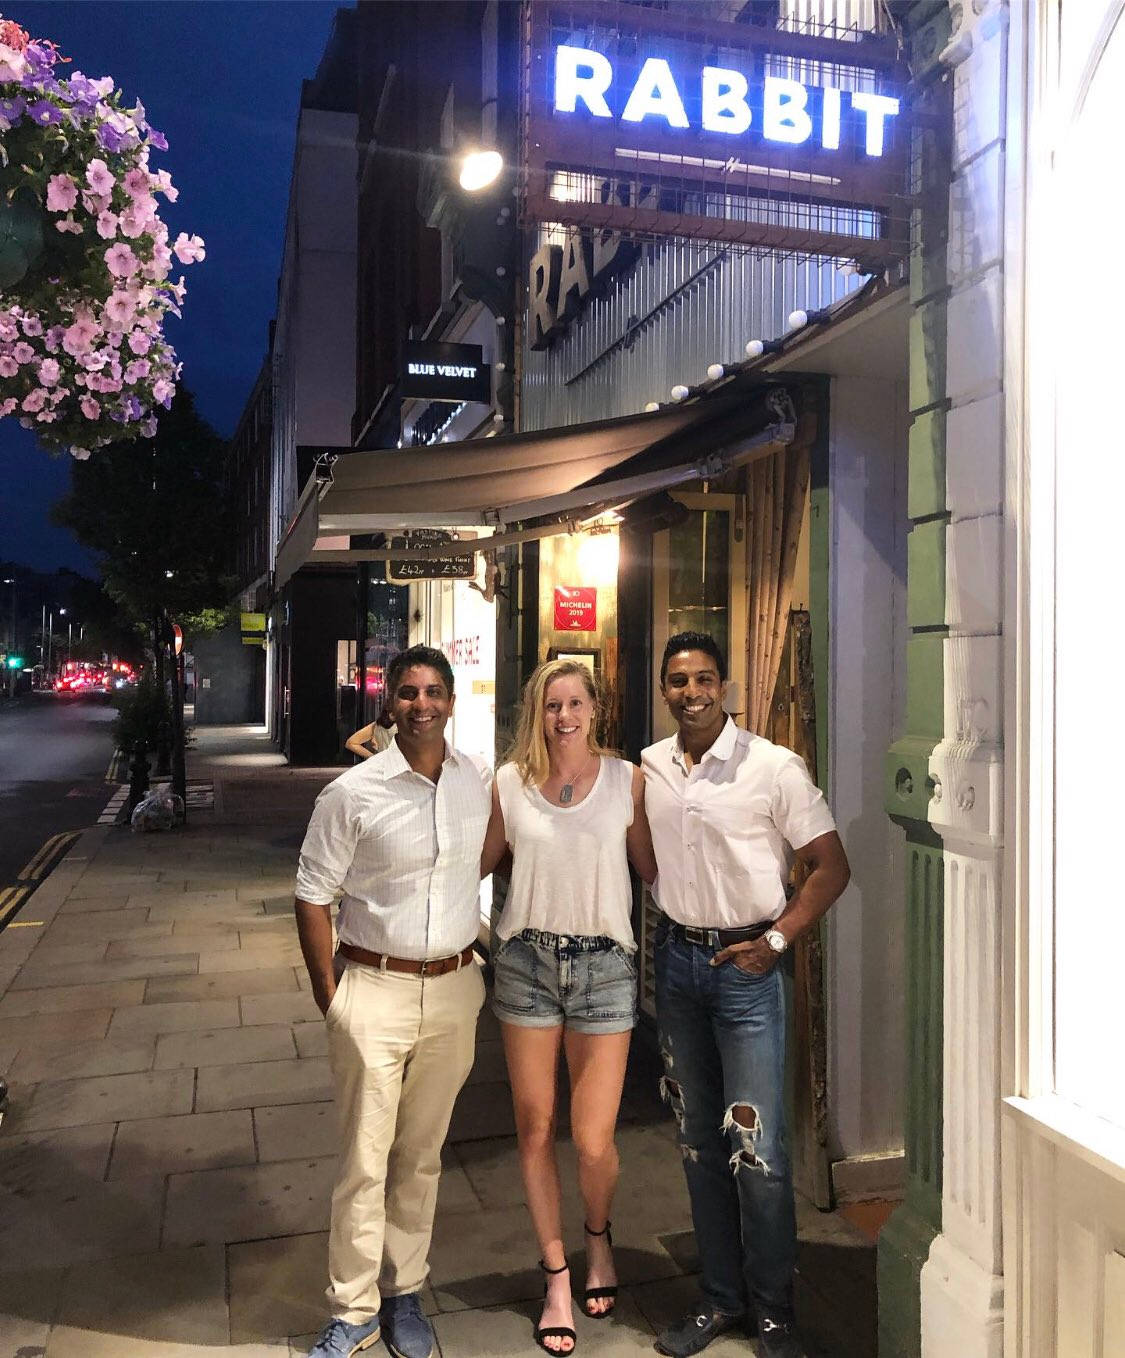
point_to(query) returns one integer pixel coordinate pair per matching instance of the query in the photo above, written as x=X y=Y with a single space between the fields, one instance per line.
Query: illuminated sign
x=401 y=572
x=446 y=372
x=789 y=111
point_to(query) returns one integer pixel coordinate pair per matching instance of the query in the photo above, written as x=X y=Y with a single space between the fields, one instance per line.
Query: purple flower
x=13 y=108
x=40 y=59
x=83 y=93
x=44 y=113
x=109 y=139
x=157 y=139
x=135 y=409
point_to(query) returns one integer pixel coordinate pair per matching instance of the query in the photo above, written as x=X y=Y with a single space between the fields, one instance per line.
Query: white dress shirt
x=404 y=851
x=724 y=830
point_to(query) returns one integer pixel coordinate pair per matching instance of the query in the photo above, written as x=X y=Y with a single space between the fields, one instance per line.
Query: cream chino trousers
x=401 y=1048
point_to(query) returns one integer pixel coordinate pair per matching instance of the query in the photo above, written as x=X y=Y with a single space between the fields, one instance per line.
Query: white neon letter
x=584 y=75
x=724 y=101
x=655 y=93
x=830 y=120
x=877 y=108
x=784 y=116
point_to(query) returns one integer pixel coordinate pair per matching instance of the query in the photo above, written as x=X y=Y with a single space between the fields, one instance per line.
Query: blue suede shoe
x=406 y=1331
x=338 y=1339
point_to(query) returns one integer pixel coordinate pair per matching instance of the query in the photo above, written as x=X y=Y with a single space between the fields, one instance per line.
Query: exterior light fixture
x=650 y=406
x=715 y=371
x=680 y=392
x=799 y=319
x=479 y=169
x=756 y=348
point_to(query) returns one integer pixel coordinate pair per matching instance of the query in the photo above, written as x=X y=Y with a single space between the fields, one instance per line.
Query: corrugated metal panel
x=682 y=306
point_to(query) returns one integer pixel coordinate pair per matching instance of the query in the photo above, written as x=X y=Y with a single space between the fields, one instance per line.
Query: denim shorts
x=543 y=980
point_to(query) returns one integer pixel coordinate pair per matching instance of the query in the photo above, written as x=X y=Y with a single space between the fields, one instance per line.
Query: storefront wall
x=585 y=375
x=1064 y=1131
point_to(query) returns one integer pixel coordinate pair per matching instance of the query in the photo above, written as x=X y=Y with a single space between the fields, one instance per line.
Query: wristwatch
x=776 y=939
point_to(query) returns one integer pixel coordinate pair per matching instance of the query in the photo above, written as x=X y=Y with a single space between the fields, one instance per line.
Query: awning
x=521 y=479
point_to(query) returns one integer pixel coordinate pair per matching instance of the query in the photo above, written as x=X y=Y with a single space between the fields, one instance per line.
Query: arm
x=828 y=875
x=357 y=741
x=495 y=837
x=314 y=929
x=638 y=838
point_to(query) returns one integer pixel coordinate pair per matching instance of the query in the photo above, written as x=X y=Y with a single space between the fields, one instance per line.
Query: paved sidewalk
x=165 y=1168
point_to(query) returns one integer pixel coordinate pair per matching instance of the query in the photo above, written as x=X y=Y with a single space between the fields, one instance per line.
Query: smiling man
x=400 y=835
x=728 y=811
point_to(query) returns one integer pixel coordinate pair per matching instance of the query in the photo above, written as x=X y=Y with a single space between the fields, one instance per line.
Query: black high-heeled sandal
x=595 y=1293
x=555 y=1331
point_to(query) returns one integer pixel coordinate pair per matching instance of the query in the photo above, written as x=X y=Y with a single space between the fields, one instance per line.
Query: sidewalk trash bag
x=160 y=810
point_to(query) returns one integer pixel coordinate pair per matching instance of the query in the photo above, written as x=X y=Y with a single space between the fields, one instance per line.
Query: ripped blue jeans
x=722 y=1038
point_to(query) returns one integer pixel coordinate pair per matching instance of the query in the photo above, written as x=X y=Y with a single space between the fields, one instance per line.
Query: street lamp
x=479 y=169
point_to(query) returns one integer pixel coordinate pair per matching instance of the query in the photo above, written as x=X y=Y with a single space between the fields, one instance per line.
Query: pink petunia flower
x=98 y=176
x=121 y=261
x=62 y=193
x=139 y=342
x=90 y=408
x=32 y=325
x=6 y=407
x=136 y=183
x=34 y=400
x=163 y=390
x=49 y=372
x=137 y=370
x=120 y=307
x=69 y=224
x=23 y=353
x=8 y=366
x=107 y=225
x=163 y=182
x=54 y=338
x=188 y=249
x=80 y=454
x=78 y=338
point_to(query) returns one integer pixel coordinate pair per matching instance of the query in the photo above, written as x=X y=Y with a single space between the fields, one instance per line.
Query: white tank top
x=570 y=874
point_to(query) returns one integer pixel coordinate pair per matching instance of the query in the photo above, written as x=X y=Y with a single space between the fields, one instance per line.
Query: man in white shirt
x=401 y=836
x=728 y=812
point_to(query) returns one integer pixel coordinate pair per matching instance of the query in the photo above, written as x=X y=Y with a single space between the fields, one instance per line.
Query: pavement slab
x=90 y=973
x=221 y=985
x=61 y=999
x=58 y=1162
x=177 y=1016
x=107 y=1098
x=28 y=1303
x=109 y=925
x=277 y=1287
x=221 y=1206
x=61 y=1026
x=67 y=1060
x=103 y=1221
x=264 y=1082
x=311 y=1038
x=296 y=1006
x=276 y=954
x=286 y=1131
x=224 y=1046
x=179 y=1144
x=171 y=1302
x=500 y=1331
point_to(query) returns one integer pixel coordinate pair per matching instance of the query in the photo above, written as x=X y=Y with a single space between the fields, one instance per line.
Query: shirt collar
x=722 y=749
x=392 y=762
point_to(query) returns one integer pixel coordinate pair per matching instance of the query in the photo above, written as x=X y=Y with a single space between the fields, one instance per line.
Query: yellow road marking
x=13 y=903
x=30 y=870
x=26 y=924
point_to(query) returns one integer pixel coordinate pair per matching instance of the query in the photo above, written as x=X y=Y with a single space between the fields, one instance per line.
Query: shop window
x=699 y=576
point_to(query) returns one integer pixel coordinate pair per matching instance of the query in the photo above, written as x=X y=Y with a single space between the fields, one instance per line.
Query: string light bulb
x=715 y=371
x=680 y=392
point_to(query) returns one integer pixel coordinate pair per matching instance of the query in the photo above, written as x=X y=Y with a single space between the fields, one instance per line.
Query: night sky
x=222 y=80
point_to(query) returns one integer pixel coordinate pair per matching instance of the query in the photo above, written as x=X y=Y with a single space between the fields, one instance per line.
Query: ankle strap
x=603 y=1231
x=545 y=1269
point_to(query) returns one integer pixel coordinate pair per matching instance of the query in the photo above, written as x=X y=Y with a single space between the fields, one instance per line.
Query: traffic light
x=15 y=662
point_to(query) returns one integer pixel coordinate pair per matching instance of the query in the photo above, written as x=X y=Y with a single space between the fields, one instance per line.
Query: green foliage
x=153 y=506
x=143 y=713
x=207 y=621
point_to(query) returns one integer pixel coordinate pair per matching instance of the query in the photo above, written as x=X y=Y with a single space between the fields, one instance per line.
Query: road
x=53 y=758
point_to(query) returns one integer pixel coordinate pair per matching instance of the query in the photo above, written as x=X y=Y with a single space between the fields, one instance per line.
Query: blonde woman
x=573 y=815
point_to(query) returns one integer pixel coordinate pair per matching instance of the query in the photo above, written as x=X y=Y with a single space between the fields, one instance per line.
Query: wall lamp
x=479 y=169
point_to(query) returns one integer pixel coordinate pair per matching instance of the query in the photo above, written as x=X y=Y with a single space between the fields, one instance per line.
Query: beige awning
x=517 y=479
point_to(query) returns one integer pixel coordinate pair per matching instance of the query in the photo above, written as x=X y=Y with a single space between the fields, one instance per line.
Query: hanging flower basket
x=84 y=257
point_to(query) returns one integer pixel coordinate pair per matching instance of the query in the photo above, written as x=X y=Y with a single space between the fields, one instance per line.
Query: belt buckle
x=424 y=968
x=695 y=935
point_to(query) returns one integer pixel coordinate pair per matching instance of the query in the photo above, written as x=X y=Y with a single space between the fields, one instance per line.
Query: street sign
x=401 y=572
x=446 y=372
x=178 y=634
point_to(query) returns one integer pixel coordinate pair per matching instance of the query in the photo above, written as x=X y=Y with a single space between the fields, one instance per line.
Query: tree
x=153 y=512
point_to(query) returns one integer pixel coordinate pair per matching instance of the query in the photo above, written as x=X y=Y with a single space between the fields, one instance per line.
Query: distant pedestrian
x=572 y=813
x=728 y=812
x=401 y=836
x=374 y=737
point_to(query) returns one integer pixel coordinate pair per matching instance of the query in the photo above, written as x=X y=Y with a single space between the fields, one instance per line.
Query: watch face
x=776 y=939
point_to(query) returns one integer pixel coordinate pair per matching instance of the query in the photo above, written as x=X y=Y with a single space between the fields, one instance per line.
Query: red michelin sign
x=576 y=608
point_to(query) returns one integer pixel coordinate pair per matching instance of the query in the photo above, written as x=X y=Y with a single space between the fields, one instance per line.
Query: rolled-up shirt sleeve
x=328 y=848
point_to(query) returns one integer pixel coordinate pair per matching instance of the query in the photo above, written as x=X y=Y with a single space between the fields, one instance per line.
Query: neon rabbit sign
x=781 y=110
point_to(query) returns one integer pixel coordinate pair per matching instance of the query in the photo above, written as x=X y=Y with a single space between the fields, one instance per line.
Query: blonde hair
x=529 y=749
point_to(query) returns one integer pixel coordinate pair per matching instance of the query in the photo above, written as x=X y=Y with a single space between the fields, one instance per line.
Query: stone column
x=962 y=1285
x=905 y=1242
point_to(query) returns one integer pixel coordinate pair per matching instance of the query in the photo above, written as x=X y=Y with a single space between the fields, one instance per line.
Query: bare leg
x=533 y=1061
x=596 y=1062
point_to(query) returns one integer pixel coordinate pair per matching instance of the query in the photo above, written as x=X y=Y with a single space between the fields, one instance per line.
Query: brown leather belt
x=436 y=966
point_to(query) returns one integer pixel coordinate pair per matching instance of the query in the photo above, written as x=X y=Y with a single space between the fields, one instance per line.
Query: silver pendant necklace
x=566 y=792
